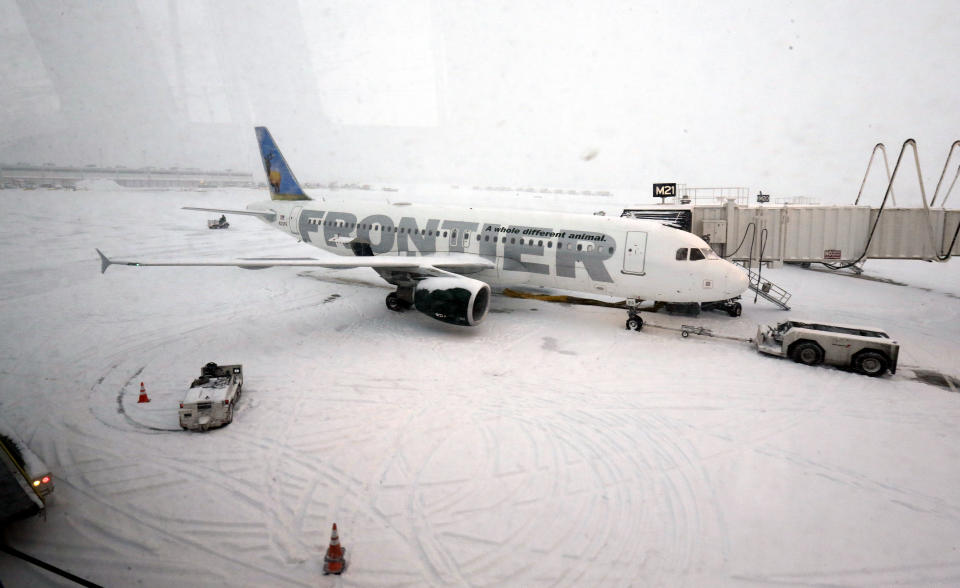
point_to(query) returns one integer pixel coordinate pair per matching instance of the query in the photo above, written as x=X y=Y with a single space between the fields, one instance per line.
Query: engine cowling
x=458 y=301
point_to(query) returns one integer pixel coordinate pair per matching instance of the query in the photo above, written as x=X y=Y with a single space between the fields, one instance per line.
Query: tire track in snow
x=605 y=501
x=200 y=545
x=433 y=553
x=123 y=411
x=102 y=490
x=195 y=474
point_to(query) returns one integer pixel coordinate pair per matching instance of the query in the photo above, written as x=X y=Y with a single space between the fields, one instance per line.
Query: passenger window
x=696 y=255
x=682 y=254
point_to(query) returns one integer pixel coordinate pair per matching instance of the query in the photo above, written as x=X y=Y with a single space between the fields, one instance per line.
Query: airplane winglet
x=104 y=262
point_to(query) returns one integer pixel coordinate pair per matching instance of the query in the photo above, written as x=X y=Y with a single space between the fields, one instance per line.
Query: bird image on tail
x=283 y=184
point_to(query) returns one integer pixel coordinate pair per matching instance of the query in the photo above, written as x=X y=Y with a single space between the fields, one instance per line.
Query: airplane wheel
x=684 y=334
x=736 y=310
x=394 y=302
x=634 y=323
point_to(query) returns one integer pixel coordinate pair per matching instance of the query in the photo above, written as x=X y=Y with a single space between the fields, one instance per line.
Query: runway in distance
x=443 y=260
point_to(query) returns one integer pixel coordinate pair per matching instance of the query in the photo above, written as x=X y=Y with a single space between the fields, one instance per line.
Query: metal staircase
x=767 y=289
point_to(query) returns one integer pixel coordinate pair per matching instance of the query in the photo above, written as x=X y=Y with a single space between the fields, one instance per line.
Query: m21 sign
x=664 y=190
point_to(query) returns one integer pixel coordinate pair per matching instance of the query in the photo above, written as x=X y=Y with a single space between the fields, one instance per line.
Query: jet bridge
x=839 y=236
x=828 y=234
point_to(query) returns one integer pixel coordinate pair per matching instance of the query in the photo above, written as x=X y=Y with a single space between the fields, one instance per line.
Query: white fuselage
x=620 y=257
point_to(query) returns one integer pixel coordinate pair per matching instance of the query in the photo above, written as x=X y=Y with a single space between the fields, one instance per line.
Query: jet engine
x=455 y=300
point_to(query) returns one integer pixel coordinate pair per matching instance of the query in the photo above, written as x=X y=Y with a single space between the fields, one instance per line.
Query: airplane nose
x=737 y=281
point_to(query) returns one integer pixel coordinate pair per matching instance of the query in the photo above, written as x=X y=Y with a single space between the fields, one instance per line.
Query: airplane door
x=635 y=252
x=294 y=226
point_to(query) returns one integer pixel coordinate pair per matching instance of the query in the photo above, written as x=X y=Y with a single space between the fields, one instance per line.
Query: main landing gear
x=400 y=300
x=731 y=306
x=634 y=321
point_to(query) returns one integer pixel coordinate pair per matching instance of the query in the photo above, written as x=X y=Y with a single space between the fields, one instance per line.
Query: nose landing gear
x=634 y=322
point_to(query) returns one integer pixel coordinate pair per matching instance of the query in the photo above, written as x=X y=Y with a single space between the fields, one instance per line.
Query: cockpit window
x=682 y=254
x=696 y=254
x=709 y=253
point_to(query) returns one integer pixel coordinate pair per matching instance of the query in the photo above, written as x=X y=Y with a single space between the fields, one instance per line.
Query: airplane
x=443 y=260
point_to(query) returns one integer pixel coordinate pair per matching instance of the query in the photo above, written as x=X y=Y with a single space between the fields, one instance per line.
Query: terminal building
x=52 y=176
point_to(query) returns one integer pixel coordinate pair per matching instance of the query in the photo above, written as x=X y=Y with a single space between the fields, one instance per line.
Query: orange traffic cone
x=333 y=562
x=143 y=394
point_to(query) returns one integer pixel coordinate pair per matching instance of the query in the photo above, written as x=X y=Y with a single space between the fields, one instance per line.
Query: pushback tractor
x=212 y=398
x=867 y=350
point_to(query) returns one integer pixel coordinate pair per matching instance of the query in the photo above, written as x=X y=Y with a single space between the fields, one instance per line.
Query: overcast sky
x=788 y=97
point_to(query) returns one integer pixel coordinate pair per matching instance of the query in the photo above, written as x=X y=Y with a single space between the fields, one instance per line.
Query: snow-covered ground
x=546 y=447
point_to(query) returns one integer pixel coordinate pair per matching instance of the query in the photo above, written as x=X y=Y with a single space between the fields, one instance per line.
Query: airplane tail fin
x=283 y=184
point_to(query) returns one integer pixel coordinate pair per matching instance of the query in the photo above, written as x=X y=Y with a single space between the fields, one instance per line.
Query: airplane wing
x=429 y=265
x=266 y=215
